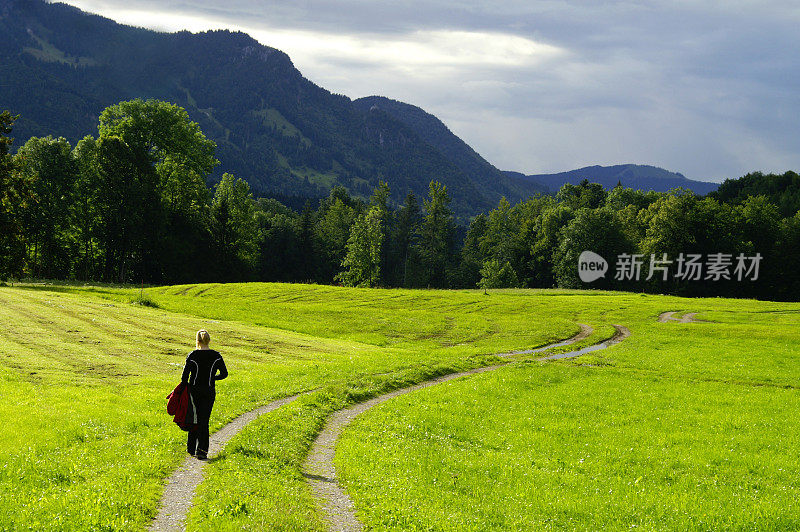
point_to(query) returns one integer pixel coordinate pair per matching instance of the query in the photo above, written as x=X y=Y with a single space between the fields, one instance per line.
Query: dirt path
x=584 y=333
x=181 y=485
x=688 y=317
x=319 y=469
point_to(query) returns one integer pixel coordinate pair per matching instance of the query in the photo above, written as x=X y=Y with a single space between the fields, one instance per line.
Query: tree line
x=132 y=205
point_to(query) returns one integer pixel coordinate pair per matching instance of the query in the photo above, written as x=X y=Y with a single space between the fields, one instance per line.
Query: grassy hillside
x=86 y=373
x=83 y=385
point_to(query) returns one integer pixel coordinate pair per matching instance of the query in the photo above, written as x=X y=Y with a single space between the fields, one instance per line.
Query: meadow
x=85 y=374
x=88 y=443
x=682 y=426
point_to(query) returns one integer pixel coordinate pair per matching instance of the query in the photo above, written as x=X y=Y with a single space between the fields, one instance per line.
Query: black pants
x=197 y=442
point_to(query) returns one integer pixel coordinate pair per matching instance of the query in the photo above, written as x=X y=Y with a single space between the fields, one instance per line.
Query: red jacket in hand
x=181 y=406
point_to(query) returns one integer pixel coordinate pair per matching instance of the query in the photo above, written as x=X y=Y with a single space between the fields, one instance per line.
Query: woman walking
x=203 y=368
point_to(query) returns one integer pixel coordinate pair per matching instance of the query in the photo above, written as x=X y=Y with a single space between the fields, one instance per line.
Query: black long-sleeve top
x=203 y=368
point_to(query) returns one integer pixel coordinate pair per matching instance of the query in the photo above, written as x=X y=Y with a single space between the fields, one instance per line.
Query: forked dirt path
x=179 y=492
x=319 y=469
x=688 y=317
x=181 y=485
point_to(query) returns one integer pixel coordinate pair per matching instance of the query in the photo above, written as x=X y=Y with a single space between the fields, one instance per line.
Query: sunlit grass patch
x=145 y=301
x=84 y=382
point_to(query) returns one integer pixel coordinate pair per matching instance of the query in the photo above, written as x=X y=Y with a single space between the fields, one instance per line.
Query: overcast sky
x=710 y=89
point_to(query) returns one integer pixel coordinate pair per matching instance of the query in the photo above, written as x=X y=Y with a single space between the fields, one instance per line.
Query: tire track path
x=182 y=484
x=319 y=469
x=178 y=496
x=688 y=317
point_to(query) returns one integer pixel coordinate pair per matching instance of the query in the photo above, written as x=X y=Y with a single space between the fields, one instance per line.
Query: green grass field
x=661 y=431
x=682 y=426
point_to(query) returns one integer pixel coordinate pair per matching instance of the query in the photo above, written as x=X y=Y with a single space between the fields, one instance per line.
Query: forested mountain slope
x=437 y=134
x=273 y=127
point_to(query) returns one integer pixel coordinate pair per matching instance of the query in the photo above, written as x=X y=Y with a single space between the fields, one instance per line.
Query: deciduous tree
x=49 y=168
x=115 y=186
x=232 y=228
x=472 y=258
x=404 y=243
x=497 y=275
x=334 y=221
x=362 y=264
x=180 y=159
x=590 y=230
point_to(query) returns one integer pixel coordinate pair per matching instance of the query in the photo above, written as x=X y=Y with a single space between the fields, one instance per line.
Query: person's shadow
x=318 y=477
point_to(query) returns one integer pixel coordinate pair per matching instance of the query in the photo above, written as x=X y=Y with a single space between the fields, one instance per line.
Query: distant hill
x=636 y=176
x=285 y=135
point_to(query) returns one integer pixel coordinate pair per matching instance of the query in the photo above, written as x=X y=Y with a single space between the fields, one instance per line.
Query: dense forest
x=132 y=205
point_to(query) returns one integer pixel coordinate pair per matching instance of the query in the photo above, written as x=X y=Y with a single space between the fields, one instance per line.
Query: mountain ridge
x=436 y=133
x=636 y=176
x=273 y=127
x=285 y=135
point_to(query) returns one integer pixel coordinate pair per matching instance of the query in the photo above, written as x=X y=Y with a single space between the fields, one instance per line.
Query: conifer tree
x=437 y=236
x=13 y=198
